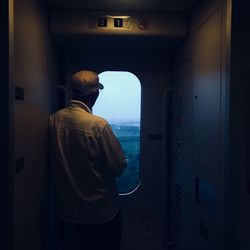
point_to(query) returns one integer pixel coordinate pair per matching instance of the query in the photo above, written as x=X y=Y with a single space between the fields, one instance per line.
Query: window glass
x=120 y=104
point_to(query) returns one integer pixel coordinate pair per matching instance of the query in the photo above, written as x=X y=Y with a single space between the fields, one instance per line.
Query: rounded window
x=120 y=104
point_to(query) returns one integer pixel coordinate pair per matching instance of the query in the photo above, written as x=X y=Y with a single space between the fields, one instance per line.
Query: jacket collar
x=79 y=104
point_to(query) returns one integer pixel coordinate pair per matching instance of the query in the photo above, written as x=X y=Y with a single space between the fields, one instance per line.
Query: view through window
x=120 y=104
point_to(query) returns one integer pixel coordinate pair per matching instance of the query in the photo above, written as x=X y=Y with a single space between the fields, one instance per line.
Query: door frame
x=6 y=125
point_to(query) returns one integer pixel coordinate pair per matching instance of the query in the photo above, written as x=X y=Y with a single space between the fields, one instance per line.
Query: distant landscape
x=128 y=134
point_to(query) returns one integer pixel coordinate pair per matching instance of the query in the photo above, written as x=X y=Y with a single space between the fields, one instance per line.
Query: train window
x=120 y=104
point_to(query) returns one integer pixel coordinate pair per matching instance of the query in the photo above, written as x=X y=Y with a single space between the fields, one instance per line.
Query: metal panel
x=207 y=95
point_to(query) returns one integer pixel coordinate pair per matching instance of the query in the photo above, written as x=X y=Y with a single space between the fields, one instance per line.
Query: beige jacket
x=85 y=158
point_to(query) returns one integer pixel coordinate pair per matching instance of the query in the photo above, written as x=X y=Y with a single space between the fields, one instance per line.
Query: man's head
x=85 y=86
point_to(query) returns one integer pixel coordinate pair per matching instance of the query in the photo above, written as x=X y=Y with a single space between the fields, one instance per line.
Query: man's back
x=87 y=158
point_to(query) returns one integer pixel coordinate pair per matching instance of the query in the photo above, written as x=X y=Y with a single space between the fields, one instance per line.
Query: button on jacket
x=85 y=159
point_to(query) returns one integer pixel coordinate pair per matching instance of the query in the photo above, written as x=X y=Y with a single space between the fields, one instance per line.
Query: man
x=86 y=158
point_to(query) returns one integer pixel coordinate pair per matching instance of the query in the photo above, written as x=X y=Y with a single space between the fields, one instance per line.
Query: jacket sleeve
x=113 y=156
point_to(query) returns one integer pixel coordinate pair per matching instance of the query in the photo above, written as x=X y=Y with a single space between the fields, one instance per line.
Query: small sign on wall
x=102 y=22
x=126 y=23
x=118 y=22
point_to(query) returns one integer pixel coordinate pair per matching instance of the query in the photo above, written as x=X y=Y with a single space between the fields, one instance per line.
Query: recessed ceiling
x=125 y=5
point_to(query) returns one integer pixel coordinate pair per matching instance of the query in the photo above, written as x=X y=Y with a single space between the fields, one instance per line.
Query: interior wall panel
x=201 y=172
x=207 y=95
x=32 y=82
x=181 y=192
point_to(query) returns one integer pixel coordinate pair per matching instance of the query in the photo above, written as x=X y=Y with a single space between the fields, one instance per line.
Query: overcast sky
x=120 y=100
